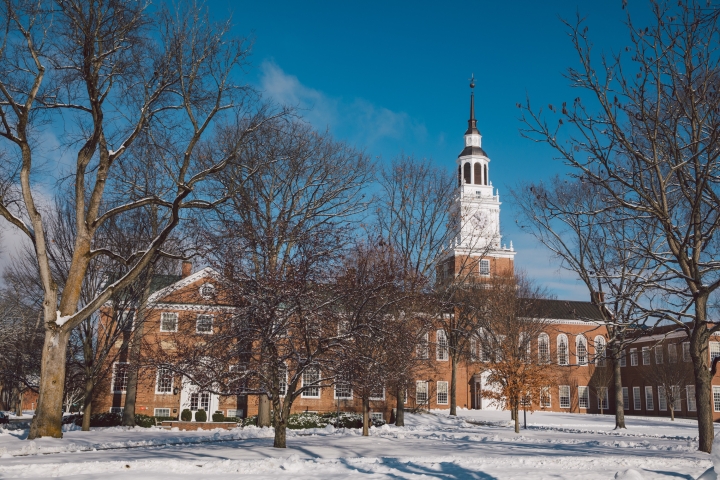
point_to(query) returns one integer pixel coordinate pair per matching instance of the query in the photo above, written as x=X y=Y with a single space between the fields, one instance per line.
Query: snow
x=476 y=444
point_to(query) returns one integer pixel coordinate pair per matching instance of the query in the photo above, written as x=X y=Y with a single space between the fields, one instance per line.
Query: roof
x=570 y=310
x=472 y=150
x=159 y=282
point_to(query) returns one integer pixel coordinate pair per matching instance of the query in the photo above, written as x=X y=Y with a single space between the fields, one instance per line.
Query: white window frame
x=633 y=357
x=716 y=398
x=581 y=360
x=484 y=268
x=346 y=389
x=603 y=399
x=377 y=416
x=659 y=356
x=637 y=399
x=623 y=358
x=422 y=387
x=283 y=380
x=646 y=355
x=677 y=405
x=197 y=323
x=422 y=350
x=686 y=352
x=473 y=349
x=112 y=383
x=690 y=397
x=543 y=353
x=165 y=315
x=560 y=352
x=714 y=349
x=442 y=389
x=117 y=410
x=233 y=412
x=662 y=399
x=600 y=351
x=545 y=397
x=564 y=389
x=382 y=397
x=626 y=398
x=649 y=400
x=309 y=371
x=672 y=353
x=583 y=397
x=155 y=412
x=157 y=381
x=442 y=353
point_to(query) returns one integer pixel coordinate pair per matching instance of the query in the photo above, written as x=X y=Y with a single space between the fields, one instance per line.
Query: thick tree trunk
x=453 y=385
x=703 y=378
x=263 y=411
x=87 y=407
x=47 y=421
x=617 y=382
x=517 y=419
x=400 y=408
x=280 y=440
x=366 y=416
x=18 y=405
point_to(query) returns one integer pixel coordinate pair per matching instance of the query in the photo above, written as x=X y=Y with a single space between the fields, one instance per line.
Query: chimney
x=186 y=269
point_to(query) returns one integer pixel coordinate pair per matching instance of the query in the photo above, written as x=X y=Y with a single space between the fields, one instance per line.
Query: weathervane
x=472 y=81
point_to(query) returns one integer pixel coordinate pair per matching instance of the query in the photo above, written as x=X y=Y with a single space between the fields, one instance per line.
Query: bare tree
x=670 y=375
x=583 y=228
x=119 y=73
x=649 y=141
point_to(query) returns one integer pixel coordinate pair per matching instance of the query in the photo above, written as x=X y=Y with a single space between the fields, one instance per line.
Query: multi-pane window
x=473 y=349
x=525 y=347
x=343 y=390
x=421 y=392
x=714 y=351
x=168 y=322
x=672 y=353
x=162 y=412
x=583 y=397
x=626 y=398
x=662 y=399
x=543 y=348
x=233 y=413
x=649 y=403
x=378 y=394
x=686 y=351
x=633 y=357
x=690 y=393
x=484 y=352
x=310 y=378
x=581 y=350
x=204 y=324
x=441 y=350
x=199 y=401
x=600 y=351
x=164 y=382
x=646 y=355
x=422 y=347
x=116 y=410
x=658 y=355
x=637 y=401
x=377 y=416
x=677 y=398
x=120 y=377
x=603 y=398
x=282 y=379
x=623 y=359
x=564 y=396
x=716 y=398
x=485 y=267
x=562 y=349
x=545 y=400
x=442 y=393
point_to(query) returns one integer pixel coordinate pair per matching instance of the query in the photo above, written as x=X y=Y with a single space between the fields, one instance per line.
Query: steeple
x=472 y=123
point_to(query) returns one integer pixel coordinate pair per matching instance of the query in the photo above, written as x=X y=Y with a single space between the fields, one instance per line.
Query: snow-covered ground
x=478 y=444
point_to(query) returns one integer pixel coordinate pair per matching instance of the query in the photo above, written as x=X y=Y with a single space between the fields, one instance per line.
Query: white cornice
x=190 y=307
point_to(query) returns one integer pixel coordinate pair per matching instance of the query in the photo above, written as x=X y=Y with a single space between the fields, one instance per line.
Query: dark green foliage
x=186 y=415
x=144 y=420
x=218 y=417
x=201 y=416
x=105 y=419
x=250 y=421
x=315 y=420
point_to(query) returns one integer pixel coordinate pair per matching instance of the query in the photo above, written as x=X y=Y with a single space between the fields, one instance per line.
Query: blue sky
x=392 y=77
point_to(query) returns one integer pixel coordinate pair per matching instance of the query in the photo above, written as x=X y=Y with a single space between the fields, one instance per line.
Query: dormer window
x=207 y=290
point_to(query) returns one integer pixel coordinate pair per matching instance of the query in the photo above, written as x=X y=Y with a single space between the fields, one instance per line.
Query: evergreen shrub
x=201 y=416
x=186 y=415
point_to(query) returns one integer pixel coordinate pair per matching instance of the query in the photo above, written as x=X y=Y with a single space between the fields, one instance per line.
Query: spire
x=472 y=123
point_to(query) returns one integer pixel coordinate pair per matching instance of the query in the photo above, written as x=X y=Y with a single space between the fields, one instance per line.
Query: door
x=193 y=399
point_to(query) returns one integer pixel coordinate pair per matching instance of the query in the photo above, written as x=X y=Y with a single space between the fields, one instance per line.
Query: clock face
x=468 y=141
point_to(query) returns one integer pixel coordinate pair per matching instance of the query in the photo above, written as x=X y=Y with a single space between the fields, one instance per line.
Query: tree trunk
x=453 y=385
x=672 y=411
x=366 y=416
x=18 y=405
x=617 y=381
x=703 y=378
x=264 y=412
x=87 y=407
x=517 y=419
x=400 y=408
x=281 y=425
x=47 y=421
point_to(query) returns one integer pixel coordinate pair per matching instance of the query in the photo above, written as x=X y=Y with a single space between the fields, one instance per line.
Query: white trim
x=157 y=381
x=583 y=394
x=177 y=321
x=212 y=323
x=383 y=396
x=446 y=392
x=191 y=307
x=112 y=381
x=316 y=383
x=155 y=412
x=190 y=279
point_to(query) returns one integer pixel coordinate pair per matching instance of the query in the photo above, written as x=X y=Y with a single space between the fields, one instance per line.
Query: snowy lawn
x=478 y=444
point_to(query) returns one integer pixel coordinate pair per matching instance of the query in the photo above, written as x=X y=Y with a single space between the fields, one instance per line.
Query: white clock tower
x=476 y=240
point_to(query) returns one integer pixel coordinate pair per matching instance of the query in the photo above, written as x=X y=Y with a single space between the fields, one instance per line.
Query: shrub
x=218 y=417
x=201 y=416
x=186 y=415
x=105 y=419
x=250 y=421
x=144 y=421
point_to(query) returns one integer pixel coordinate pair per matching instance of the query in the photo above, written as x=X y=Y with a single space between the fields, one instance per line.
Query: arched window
x=459 y=175
x=478 y=173
x=486 y=175
x=562 y=349
x=600 y=351
x=441 y=348
x=543 y=348
x=581 y=351
x=466 y=173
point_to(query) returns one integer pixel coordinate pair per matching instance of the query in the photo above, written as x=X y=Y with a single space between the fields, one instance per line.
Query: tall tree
x=120 y=72
x=645 y=131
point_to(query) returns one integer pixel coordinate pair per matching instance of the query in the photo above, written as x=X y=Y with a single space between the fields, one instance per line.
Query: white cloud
x=357 y=121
